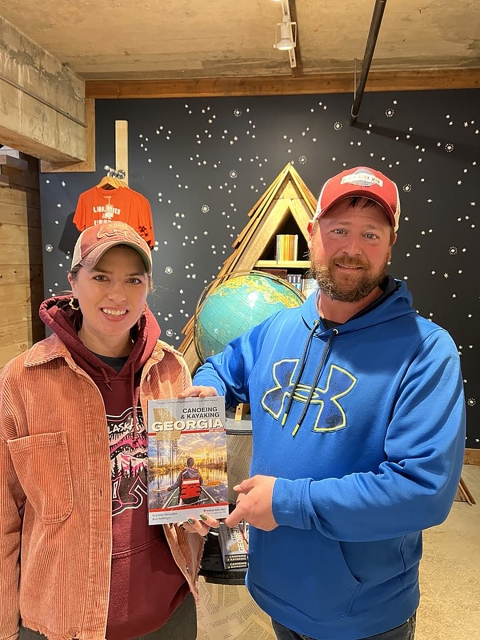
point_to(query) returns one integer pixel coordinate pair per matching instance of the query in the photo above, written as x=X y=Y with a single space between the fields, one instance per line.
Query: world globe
x=229 y=307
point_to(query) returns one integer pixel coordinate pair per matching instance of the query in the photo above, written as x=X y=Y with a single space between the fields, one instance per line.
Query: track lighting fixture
x=286 y=34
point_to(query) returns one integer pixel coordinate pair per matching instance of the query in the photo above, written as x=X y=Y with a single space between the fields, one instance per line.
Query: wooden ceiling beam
x=413 y=80
x=42 y=100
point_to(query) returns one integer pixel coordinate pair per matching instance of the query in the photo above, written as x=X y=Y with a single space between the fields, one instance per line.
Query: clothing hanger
x=119 y=175
x=107 y=183
x=112 y=180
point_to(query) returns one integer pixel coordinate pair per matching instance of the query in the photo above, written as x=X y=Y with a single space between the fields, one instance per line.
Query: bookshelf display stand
x=287 y=206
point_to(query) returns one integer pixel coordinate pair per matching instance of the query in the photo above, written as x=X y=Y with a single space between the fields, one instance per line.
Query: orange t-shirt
x=97 y=205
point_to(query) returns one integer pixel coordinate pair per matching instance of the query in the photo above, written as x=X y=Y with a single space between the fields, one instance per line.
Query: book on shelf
x=309 y=286
x=279 y=273
x=187 y=459
x=286 y=247
x=233 y=543
x=295 y=279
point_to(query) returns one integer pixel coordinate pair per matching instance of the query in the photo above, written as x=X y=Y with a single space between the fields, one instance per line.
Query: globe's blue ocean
x=238 y=304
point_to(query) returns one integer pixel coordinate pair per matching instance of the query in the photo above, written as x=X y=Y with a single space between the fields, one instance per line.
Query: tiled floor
x=450 y=572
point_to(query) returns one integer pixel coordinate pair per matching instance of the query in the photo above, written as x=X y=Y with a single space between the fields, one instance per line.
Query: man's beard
x=346 y=289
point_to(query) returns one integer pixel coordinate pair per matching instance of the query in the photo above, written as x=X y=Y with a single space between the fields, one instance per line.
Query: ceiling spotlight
x=285 y=34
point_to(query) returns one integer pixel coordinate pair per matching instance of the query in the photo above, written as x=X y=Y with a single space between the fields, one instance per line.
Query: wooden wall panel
x=21 y=254
x=18 y=294
x=20 y=235
x=15 y=314
x=18 y=178
x=20 y=332
x=21 y=261
x=13 y=350
x=21 y=273
x=18 y=214
x=24 y=197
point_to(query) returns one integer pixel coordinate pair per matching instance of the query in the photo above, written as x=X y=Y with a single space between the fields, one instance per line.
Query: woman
x=78 y=557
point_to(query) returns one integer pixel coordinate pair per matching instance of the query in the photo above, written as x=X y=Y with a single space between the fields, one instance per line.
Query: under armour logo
x=330 y=415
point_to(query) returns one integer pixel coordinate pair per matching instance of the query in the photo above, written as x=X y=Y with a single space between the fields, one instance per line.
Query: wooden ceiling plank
x=405 y=80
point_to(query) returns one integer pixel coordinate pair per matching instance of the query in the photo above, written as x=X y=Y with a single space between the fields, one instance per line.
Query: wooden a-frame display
x=287 y=197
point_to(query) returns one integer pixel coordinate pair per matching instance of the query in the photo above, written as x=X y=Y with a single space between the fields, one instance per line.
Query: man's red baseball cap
x=365 y=183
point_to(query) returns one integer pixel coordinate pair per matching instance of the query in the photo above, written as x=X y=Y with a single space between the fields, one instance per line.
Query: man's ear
x=310 y=233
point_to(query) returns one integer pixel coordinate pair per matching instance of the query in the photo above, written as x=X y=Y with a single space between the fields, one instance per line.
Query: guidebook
x=187 y=459
x=234 y=545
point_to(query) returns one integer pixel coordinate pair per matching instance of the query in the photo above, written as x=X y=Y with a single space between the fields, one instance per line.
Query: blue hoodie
x=363 y=426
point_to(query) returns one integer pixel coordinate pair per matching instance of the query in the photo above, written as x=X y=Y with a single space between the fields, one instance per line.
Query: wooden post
x=121 y=147
x=241 y=410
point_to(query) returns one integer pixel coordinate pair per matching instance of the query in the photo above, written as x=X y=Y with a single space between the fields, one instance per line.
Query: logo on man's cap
x=362 y=178
x=360 y=182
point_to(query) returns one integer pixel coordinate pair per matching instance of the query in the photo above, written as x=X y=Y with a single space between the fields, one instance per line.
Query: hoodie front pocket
x=42 y=466
x=302 y=570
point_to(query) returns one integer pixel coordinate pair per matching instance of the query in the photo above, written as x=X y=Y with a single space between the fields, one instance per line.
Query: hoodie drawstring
x=135 y=397
x=106 y=379
x=303 y=362
x=315 y=380
x=134 y=391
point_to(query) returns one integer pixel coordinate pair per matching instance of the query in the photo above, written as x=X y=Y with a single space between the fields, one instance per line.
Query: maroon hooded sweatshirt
x=146 y=584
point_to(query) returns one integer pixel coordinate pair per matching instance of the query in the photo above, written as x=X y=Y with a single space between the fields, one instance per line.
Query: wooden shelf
x=283 y=264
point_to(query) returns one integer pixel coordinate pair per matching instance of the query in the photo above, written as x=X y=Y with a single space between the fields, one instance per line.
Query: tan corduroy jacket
x=55 y=492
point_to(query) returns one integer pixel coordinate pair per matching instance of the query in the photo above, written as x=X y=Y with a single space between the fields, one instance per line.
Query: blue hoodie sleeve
x=229 y=371
x=416 y=485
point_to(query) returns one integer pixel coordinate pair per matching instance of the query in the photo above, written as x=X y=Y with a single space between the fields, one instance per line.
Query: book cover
x=279 y=273
x=187 y=459
x=295 y=280
x=233 y=543
x=309 y=286
x=286 y=247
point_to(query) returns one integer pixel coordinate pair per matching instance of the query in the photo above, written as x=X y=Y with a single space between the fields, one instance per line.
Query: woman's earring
x=72 y=306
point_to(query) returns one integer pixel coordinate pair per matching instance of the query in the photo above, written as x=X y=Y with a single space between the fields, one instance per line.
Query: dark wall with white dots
x=203 y=163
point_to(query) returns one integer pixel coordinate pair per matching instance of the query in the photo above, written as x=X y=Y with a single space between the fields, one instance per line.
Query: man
x=189 y=482
x=358 y=430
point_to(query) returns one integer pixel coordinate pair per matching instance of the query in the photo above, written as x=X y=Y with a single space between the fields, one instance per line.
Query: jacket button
x=148 y=378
